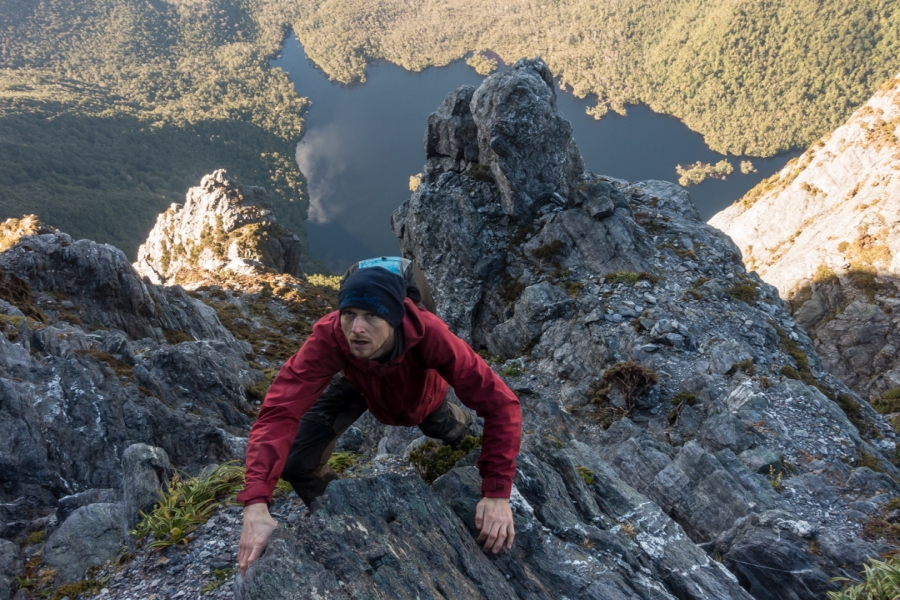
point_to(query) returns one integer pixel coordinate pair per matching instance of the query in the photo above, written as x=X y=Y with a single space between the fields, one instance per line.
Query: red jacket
x=401 y=393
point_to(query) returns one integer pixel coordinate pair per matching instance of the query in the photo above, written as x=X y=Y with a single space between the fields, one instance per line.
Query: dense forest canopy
x=753 y=76
x=111 y=109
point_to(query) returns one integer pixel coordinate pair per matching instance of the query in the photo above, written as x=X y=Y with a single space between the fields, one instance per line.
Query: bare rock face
x=92 y=535
x=825 y=232
x=145 y=470
x=223 y=224
x=508 y=130
x=613 y=271
x=93 y=360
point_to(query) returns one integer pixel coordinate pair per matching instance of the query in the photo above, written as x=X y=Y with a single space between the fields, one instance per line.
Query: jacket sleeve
x=482 y=390
x=298 y=385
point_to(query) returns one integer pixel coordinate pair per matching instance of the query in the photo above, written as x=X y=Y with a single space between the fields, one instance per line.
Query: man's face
x=369 y=335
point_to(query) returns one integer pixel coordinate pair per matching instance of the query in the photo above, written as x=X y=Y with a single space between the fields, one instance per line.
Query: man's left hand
x=494 y=520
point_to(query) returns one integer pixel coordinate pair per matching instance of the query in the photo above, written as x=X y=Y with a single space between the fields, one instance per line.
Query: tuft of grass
x=880 y=581
x=587 y=476
x=258 y=390
x=888 y=403
x=630 y=277
x=681 y=400
x=480 y=172
x=221 y=576
x=864 y=459
x=775 y=479
x=605 y=415
x=802 y=372
x=510 y=289
x=679 y=251
x=84 y=588
x=341 y=461
x=790 y=372
x=17 y=292
x=513 y=369
x=431 y=460
x=35 y=537
x=573 y=288
x=854 y=414
x=491 y=360
x=549 y=252
x=120 y=368
x=746 y=366
x=173 y=336
x=744 y=291
x=521 y=234
x=188 y=503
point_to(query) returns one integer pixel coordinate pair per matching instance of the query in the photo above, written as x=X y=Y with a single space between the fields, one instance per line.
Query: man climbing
x=379 y=352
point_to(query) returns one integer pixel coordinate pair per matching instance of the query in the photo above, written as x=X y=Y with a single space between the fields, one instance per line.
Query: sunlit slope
x=111 y=109
x=753 y=77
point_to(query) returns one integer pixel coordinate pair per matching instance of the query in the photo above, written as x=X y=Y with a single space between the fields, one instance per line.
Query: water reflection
x=364 y=141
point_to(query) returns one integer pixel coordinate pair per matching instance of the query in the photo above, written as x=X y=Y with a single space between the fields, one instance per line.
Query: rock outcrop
x=825 y=232
x=92 y=360
x=745 y=449
x=223 y=224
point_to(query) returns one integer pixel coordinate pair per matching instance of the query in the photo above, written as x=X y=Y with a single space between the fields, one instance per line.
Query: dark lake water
x=364 y=141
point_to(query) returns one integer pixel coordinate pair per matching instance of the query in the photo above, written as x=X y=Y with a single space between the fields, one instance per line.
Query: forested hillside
x=111 y=109
x=753 y=77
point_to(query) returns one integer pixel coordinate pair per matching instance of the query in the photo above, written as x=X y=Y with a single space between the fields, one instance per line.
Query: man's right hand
x=255 y=534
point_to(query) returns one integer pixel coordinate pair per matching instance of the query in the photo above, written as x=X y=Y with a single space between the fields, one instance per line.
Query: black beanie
x=377 y=290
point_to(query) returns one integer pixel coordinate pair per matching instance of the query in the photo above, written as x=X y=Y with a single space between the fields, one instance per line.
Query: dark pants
x=339 y=406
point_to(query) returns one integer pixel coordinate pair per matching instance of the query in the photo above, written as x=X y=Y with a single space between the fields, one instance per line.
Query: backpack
x=416 y=286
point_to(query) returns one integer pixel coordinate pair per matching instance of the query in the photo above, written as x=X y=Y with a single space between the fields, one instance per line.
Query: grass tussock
x=341 y=461
x=630 y=277
x=17 y=292
x=679 y=401
x=431 y=460
x=880 y=581
x=888 y=403
x=188 y=503
x=587 y=476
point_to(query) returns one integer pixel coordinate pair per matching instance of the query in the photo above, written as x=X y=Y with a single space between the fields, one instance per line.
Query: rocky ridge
x=94 y=359
x=825 y=232
x=743 y=451
x=744 y=470
x=222 y=224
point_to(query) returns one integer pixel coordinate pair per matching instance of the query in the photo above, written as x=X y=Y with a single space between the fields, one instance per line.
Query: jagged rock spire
x=511 y=130
x=223 y=224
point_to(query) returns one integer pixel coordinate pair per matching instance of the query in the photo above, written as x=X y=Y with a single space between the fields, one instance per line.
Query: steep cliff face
x=825 y=232
x=673 y=411
x=223 y=224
